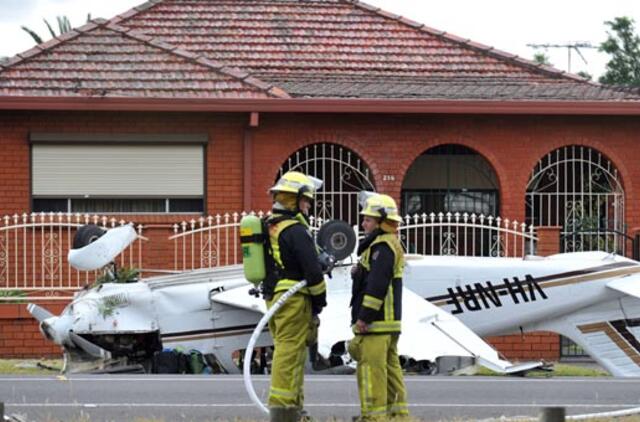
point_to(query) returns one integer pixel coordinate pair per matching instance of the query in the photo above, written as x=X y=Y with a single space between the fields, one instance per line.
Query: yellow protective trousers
x=289 y=328
x=380 y=382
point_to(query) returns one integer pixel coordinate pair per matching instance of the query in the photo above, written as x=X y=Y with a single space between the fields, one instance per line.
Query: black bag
x=170 y=362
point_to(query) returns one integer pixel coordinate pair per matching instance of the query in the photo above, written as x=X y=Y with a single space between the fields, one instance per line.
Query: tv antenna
x=570 y=47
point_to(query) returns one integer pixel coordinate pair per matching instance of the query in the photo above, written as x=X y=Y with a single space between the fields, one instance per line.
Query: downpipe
x=248 y=354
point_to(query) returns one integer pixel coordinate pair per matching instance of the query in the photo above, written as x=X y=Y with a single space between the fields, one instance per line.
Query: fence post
x=548 y=240
x=635 y=244
x=552 y=414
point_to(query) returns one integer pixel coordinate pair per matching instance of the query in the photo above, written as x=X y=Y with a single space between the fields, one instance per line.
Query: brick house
x=178 y=109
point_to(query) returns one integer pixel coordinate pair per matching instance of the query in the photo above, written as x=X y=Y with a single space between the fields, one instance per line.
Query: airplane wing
x=609 y=331
x=427 y=331
x=629 y=285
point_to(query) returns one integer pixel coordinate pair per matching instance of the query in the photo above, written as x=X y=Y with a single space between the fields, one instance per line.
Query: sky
x=508 y=25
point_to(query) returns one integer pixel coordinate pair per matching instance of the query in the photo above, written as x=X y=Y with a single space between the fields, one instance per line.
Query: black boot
x=284 y=414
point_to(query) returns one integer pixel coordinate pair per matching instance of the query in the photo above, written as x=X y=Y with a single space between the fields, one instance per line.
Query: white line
x=416 y=405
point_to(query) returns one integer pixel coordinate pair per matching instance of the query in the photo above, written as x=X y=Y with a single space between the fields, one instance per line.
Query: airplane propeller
x=38 y=312
x=90 y=348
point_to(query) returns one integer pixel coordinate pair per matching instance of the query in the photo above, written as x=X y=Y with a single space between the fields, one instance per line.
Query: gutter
x=325 y=105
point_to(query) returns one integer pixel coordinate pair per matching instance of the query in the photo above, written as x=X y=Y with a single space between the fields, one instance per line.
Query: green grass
x=559 y=370
x=30 y=366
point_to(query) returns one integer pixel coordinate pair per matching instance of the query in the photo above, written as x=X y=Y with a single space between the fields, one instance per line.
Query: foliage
x=12 y=296
x=542 y=58
x=122 y=275
x=623 y=47
x=585 y=75
x=64 y=26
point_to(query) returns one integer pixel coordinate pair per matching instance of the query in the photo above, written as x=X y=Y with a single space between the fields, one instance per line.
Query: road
x=210 y=398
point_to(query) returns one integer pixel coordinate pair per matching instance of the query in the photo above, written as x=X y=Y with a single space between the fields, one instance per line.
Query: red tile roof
x=107 y=60
x=298 y=48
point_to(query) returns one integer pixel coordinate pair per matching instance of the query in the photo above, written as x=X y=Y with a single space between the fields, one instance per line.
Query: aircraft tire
x=337 y=238
x=86 y=235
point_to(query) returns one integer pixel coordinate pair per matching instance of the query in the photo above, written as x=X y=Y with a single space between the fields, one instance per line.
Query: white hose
x=248 y=354
x=613 y=414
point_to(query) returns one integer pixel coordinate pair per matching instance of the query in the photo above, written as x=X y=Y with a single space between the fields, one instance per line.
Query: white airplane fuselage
x=491 y=296
x=495 y=296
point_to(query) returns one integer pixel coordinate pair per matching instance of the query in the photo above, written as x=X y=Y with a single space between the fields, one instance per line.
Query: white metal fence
x=466 y=235
x=34 y=247
x=215 y=240
x=33 y=255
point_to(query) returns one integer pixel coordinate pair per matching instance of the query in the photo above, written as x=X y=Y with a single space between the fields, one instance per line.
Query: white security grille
x=344 y=174
x=575 y=187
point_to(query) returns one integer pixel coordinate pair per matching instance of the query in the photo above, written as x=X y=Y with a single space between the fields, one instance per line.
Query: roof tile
x=253 y=48
x=31 y=52
x=106 y=62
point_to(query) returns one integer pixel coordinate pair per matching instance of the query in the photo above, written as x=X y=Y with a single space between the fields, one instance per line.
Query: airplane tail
x=608 y=331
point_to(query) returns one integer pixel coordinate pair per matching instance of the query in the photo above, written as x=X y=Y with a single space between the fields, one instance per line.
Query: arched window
x=579 y=189
x=344 y=174
x=450 y=178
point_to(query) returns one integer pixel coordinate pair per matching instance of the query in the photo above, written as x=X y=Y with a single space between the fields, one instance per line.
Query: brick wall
x=388 y=143
x=20 y=336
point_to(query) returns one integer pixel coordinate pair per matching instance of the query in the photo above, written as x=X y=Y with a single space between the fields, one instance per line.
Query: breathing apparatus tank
x=252 y=239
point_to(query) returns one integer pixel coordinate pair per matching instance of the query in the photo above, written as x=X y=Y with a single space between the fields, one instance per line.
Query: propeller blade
x=91 y=348
x=38 y=312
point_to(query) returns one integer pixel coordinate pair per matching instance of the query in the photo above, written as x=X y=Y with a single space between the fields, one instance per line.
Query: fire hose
x=248 y=354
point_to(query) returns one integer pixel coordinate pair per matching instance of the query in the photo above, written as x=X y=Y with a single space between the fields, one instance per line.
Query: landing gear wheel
x=87 y=234
x=337 y=238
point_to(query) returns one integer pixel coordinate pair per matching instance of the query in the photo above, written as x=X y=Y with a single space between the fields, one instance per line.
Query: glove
x=327 y=262
x=317 y=303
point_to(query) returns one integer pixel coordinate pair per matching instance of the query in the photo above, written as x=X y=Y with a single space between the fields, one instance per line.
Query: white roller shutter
x=118 y=170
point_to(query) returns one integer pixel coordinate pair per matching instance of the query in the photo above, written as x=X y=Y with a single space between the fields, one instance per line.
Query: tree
x=623 y=45
x=585 y=75
x=64 y=25
x=542 y=58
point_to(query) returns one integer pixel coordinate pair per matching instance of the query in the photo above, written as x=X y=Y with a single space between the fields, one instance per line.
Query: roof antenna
x=569 y=46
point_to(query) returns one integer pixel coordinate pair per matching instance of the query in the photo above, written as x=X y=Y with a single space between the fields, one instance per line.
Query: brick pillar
x=548 y=240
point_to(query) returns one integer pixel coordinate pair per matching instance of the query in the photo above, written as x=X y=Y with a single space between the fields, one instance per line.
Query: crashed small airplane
x=449 y=303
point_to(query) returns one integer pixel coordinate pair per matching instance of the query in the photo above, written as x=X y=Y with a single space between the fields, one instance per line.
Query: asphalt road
x=210 y=398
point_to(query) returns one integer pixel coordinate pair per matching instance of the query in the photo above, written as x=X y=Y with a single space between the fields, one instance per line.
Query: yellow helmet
x=379 y=205
x=298 y=184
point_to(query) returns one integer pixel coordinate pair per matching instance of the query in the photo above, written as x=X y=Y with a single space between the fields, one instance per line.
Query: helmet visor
x=363 y=197
x=317 y=183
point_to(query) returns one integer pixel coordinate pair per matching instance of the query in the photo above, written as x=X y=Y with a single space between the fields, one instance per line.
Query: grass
x=30 y=366
x=558 y=370
x=46 y=367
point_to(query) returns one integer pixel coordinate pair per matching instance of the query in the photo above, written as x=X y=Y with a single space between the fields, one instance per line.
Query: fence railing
x=466 y=235
x=33 y=255
x=212 y=241
x=34 y=247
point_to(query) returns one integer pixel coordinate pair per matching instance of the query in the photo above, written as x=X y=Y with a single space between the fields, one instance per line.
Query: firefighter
x=376 y=306
x=294 y=258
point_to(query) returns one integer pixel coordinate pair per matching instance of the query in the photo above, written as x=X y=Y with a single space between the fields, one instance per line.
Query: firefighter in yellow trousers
x=376 y=307
x=294 y=257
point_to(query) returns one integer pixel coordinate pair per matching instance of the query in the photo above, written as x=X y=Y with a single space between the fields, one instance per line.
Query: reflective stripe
x=372 y=302
x=384 y=326
x=286 y=284
x=280 y=392
x=318 y=289
x=399 y=409
x=274 y=238
x=372 y=411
